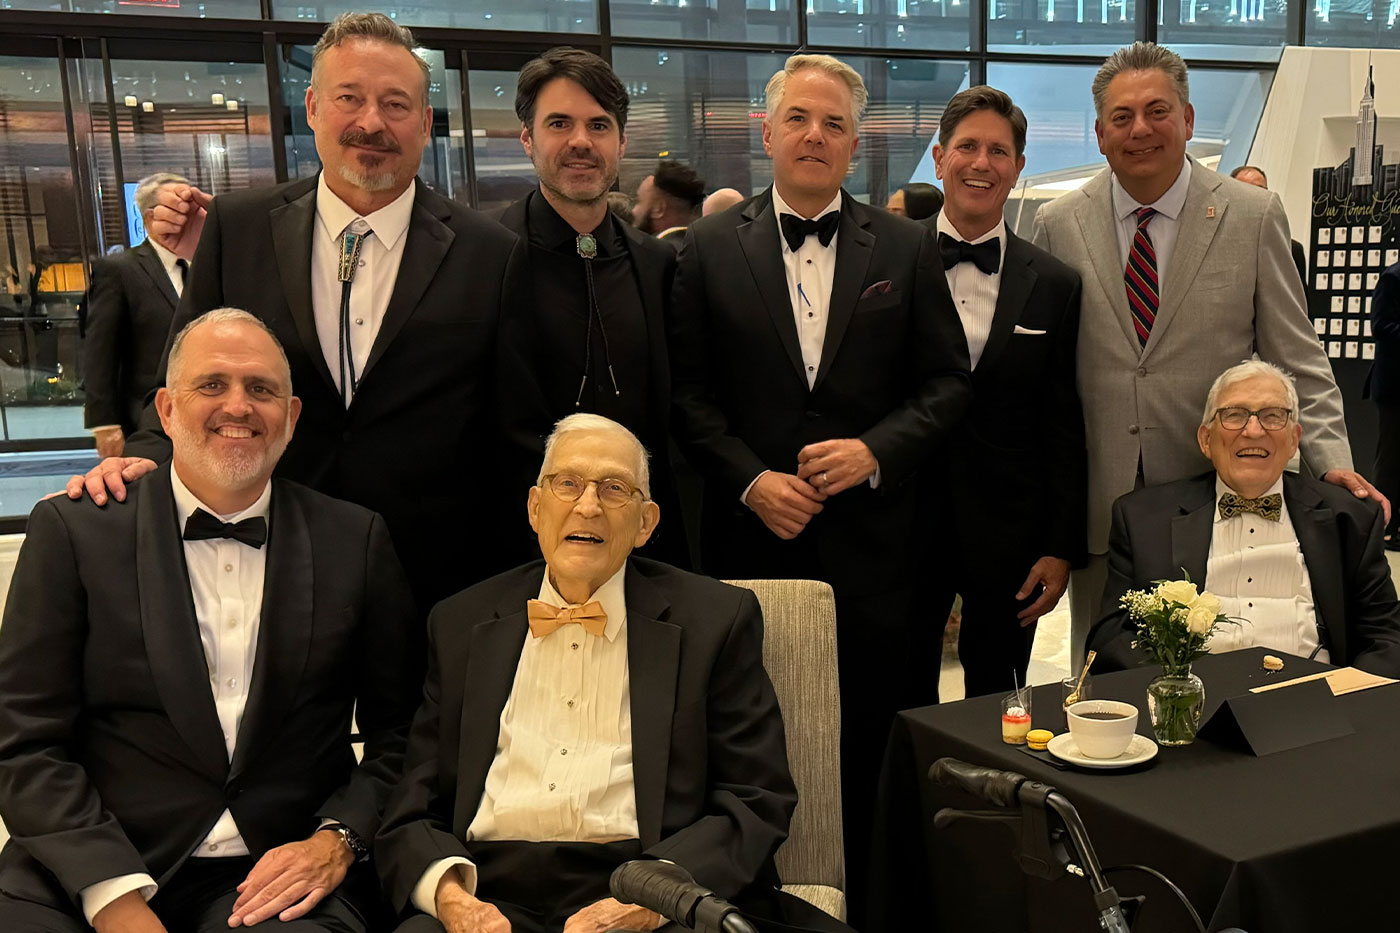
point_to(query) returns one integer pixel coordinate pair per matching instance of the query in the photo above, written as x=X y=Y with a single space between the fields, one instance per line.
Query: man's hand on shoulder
x=128 y=914
x=836 y=465
x=290 y=880
x=109 y=476
x=1359 y=486
x=784 y=502
x=177 y=221
x=609 y=914
x=460 y=912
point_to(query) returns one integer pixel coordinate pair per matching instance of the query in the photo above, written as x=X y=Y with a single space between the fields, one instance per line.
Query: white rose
x=1177 y=591
x=1208 y=601
x=1199 y=620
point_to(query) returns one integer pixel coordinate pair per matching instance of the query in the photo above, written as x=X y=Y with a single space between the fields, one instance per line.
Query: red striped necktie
x=1141 y=277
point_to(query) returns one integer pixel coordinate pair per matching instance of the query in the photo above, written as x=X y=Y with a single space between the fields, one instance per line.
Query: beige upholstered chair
x=799 y=652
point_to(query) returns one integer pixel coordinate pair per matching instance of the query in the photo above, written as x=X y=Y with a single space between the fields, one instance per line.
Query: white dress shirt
x=226 y=583
x=373 y=283
x=1257 y=569
x=1161 y=229
x=810 y=272
x=171 y=262
x=563 y=765
x=974 y=291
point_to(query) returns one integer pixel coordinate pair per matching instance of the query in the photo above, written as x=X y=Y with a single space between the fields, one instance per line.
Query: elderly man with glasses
x=1301 y=560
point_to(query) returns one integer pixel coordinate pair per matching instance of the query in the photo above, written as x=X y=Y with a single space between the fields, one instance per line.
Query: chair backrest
x=799 y=653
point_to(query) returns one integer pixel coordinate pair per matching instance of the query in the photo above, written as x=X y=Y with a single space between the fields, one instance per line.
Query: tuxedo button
x=1132 y=429
x=563 y=751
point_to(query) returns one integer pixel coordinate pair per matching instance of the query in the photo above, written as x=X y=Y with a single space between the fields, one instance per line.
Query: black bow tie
x=986 y=255
x=202 y=526
x=796 y=230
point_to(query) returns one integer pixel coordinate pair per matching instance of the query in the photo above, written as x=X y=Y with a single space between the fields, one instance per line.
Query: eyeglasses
x=614 y=493
x=1270 y=419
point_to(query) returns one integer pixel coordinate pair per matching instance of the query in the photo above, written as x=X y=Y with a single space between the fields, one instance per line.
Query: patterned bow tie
x=544 y=618
x=796 y=230
x=1268 y=507
x=201 y=526
x=986 y=256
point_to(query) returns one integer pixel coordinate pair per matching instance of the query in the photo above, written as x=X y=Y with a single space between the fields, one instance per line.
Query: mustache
x=355 y=137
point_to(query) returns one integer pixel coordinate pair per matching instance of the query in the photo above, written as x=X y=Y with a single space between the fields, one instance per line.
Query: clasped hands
x=461 y=912
x=786 y=502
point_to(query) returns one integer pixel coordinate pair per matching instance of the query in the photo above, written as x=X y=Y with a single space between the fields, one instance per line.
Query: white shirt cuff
x=744 y=496
x=875 y=478
x=103 y=427
x=94 y=897
x=425 y=891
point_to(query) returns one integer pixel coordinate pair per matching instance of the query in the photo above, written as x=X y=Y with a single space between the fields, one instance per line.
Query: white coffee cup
x=1102 y=738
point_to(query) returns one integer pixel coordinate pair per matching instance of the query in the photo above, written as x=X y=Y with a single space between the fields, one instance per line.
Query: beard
x=234 y=469
x=550 y=176
x=366 y=179
x=384 y=181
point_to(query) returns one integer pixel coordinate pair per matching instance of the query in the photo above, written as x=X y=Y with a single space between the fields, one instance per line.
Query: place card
x=1324 y=236
x=1373 y=235
x=1334 y=349
x=1321 y=281
x=1337 y=304
x=1353 y=349
x=1339 y=234
x=1357 y=258
x=1358 y=234
x=1368 y=351
x=1263 y=722
x=1372 y=280
x=1320 y=325
x=1340 y=681
x=1354 y=282
x=1324 y=258
x=1366 y=328
x=1335 y=327
x=1339 y=258
x=1373 y=257
x=1368 y=308
x=1354 y=304
x=1339 y=281
x=1392 y=256
x=1354 y=328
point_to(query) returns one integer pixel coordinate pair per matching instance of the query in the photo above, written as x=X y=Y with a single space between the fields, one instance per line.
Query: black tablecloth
x=1305 y=840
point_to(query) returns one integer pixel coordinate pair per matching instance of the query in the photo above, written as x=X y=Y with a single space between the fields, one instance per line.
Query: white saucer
x=1140 y=749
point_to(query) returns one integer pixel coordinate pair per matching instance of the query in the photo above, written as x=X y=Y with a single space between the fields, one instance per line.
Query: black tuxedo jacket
x=1161 y=530
x=129 y=308
x=426 y=403
x=893 y=373
x=1017 y=470
x=529 y=417
x=112 y=759
x=709 y=759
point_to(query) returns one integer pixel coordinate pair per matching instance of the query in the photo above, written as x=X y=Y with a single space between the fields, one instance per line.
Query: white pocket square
x=1026 y=330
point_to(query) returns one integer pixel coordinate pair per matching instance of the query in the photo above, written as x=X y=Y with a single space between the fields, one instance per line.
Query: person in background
x=1253 y=175
x=668 y=200
x=917 y=200
x=721 y=200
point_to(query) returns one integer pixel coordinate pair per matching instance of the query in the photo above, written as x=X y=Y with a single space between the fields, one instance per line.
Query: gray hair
x=589 y=422
x=773 y=94
x=1248 y=370
x=222 y=316
x=1141 y=56
x=148 y=187
x=375 y=27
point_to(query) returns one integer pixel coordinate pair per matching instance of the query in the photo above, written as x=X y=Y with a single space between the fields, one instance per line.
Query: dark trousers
x=198 y=899
x=991 y=642
x=1387 y=472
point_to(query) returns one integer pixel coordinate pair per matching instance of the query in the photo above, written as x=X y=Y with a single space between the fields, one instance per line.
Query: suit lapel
x=1317 y=538
x=150 y=264
x=429 y=239
x=494 y=657
x=650 y=276
x=1195 y=229
x=292 y=228
x=285 y=628
x=1191 y=531
x=170 y=628
x=854 y=246
x=653 y=658
x=1017 y=282
x=763 y=248
x=1098 y=227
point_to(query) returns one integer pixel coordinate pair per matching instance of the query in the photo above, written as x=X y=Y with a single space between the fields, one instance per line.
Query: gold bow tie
x=544 y=618
x=1268 y=507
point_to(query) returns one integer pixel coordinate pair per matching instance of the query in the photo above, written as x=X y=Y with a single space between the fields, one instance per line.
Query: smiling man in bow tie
x=1300 y=561
x=1007 y=554
x=817 y=370
x=178 y=672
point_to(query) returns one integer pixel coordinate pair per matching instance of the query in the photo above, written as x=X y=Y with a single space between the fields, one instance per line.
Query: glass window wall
x=717 y=20
x=563 y=16
x=912 y=25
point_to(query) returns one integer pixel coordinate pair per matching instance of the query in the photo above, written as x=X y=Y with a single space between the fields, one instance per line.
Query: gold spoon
x=1073 y=697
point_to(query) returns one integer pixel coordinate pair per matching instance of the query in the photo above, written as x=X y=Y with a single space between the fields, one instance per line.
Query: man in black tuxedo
x=175 y=748
x=399 y=382
x=1383 y=388
x=1016 y=474
x=129 y=308
x=585 y=711
x=594 y=337
x=818 y=366
x=1299 y=560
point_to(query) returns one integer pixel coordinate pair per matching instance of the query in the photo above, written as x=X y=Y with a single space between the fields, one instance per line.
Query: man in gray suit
x=1185 y=273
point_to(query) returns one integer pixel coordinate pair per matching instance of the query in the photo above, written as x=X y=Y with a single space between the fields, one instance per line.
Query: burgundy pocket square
x=881 y=287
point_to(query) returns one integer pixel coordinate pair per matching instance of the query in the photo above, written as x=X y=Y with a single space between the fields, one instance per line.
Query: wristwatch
x=357 y=846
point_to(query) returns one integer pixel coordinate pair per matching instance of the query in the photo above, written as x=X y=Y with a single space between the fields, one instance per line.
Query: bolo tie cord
x=587 y=250
x=349 y=261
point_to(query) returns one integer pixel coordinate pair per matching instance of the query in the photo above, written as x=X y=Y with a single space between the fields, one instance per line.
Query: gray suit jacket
x=1230 y=291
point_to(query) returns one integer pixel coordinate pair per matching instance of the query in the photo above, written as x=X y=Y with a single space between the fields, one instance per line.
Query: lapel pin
x=1210 y=212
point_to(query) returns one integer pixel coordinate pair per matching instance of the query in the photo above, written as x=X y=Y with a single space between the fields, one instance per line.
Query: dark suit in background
x=129 y=308
x=112 y=758
x=1383 y=385
x=1161 y=530
x=1015 y=477
x=893 y=373
x=426 y=403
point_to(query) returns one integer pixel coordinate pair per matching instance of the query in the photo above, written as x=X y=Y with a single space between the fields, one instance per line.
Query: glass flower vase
x=1174 y=702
